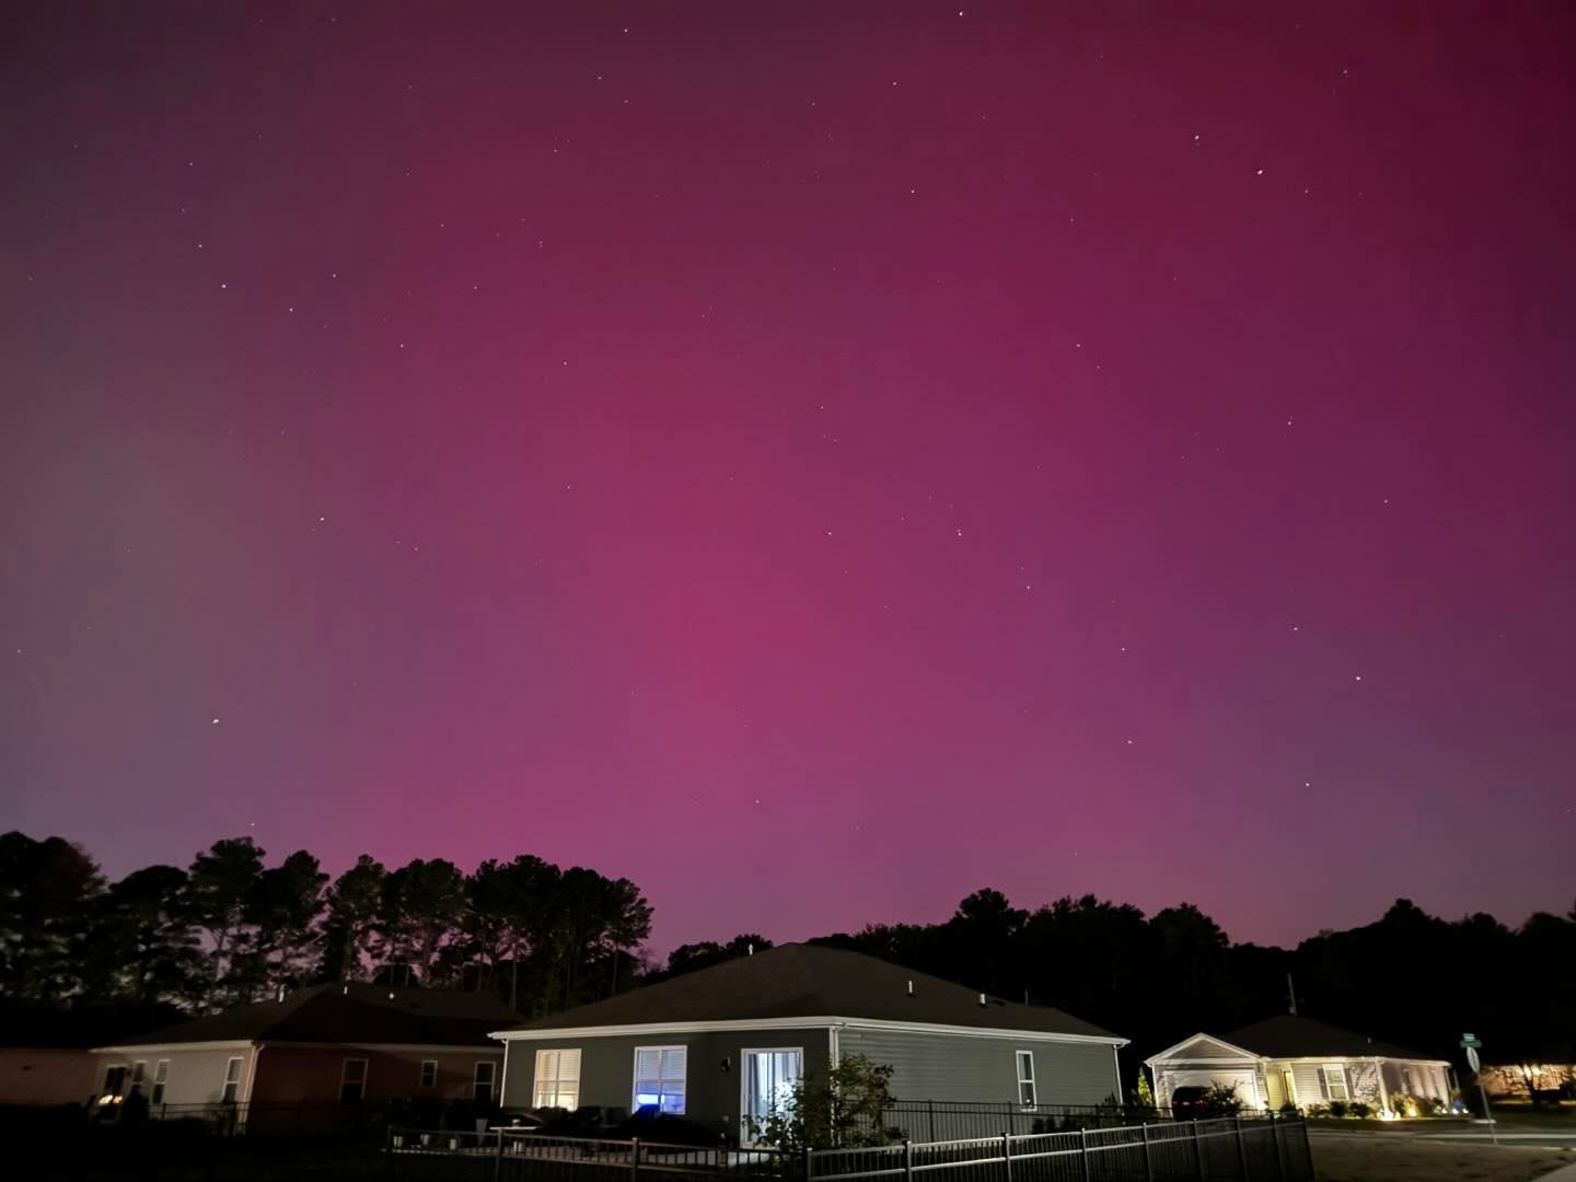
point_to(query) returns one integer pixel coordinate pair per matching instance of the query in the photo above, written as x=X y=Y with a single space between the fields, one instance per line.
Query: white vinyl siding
x=557 y=1079
x=659 y=1078
x=1026 y=1094
x=1332 y=1077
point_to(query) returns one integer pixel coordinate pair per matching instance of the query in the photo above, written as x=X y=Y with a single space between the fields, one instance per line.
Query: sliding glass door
x=769 y=1079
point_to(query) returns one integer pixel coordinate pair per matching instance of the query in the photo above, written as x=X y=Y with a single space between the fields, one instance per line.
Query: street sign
x=1472 y=1058
x=1471 y=1040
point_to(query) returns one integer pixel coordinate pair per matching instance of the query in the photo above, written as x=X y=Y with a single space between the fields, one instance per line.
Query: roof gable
x=810 y=981
x=1203 y=1048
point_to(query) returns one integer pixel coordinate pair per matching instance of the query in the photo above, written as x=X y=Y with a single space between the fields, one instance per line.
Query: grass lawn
x=1348 y=1158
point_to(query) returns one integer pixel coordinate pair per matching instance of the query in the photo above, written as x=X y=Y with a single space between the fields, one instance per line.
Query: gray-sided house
x=318 y=1048
x=725 y=1044
x=1294 y=1060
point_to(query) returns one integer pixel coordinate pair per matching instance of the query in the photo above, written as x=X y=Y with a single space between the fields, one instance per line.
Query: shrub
x=1288 y=1109
x=1337 y=1108
x=1360 y=1110
x=843 y=1112
x=1222 y=1100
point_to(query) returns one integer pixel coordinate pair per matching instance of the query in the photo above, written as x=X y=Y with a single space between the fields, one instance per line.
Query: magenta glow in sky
x=815 y=460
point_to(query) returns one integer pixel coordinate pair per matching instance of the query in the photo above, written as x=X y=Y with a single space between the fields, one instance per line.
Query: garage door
x=1243 y=1079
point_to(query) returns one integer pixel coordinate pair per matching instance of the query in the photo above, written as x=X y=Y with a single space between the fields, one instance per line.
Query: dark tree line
x=231 y=928
x=1408 y=978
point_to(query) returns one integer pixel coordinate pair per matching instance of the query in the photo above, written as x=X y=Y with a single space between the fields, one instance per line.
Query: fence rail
x=1271 y=1149
x=940 y=1120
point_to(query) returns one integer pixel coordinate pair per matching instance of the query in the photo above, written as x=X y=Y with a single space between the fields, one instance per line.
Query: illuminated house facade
x=722 y=1046
x=316 y=1050
x=1307 y=1064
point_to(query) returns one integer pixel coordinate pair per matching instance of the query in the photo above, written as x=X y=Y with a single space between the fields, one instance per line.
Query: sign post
x=1471 y=1042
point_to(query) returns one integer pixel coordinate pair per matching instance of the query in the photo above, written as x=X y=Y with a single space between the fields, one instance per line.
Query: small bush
x=1337 y=1108
x=1360 y=1110
x=1288 y=1109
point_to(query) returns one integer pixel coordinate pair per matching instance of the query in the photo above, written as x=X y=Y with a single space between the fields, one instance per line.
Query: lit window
x=659 y=1078
x=353 y=1081
x=161 y=1077
x=232 y=1081
x=557 y=1081
x=429 y=1073
x=1334 y=1077
x=1026 y=1095
x=482 y=1082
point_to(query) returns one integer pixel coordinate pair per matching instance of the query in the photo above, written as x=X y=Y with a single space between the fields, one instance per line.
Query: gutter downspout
x=503 y=1076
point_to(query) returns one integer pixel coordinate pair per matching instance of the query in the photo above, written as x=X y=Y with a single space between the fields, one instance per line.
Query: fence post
x=806 y=1162
x=930 y=1106
x=498 y=1156
x=1149 y=1161
x=1242 y=1146
x=1083 y=1155
x=1280 y=1166
x=1198 y=1152
x=908 y=1160
x=1006 y=1154
x=634 y=1158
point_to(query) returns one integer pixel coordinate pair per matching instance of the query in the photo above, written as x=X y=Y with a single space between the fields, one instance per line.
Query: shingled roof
x=347 y=1013
x=1288 y=1036
x=812 y=981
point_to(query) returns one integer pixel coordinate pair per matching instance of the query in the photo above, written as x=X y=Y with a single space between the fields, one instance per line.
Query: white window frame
x=161 y=1080
x=491 y=1082
x=557 y=1089
x=1329 y=1071
x=230 y=1089
x=683 y=1078
x=1022 y=1057
x=344 y=1078
x=125 y=1076
x=429 y=1074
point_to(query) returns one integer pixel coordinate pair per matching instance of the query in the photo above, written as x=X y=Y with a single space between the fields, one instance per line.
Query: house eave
x=819 y=1022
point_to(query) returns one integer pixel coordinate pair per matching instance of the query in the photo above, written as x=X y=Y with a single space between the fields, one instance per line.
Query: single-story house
x=323 y=1047
x=41 y=1072
x=724 y=1045
x=1294 y=1060
x=46 y=1053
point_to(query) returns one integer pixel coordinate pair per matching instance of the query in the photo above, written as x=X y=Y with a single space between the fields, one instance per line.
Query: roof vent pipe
x=911 y=986
x=982 y=999
x=749 y=950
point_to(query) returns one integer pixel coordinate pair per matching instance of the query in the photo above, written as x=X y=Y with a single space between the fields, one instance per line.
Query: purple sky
x=814 y=460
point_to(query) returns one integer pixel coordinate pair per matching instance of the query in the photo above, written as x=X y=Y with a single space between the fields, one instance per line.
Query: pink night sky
x=815 y=460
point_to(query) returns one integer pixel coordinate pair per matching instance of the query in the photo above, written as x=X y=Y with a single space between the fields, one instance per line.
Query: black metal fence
x=509 y=1155
x=1225 y=1150
x=950 y=1120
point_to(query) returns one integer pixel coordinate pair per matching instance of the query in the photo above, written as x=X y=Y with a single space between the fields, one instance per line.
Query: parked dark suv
x=1190 y=1104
